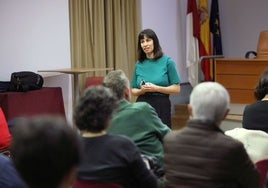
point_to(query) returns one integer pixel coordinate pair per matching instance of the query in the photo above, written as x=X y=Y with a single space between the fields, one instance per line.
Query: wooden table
x=75 y=72
x=239 y=76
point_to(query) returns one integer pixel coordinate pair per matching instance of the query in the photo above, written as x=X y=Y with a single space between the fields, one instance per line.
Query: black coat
x=255 y=116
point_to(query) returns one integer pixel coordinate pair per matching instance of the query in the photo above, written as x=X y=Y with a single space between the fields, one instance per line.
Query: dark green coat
x=140 y=122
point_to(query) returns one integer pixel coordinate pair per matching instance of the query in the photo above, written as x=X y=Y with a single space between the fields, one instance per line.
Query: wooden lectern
x=240 y=77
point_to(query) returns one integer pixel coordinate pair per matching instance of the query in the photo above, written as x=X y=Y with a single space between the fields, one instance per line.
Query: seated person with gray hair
x=45 y=151
x=138 y=121
x=200 y=154
x=105 y=157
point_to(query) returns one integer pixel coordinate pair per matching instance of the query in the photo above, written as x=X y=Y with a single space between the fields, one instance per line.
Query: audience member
x=255 y=142
x=139 y=121
x=105 y=157
x=9 y=177
x=5 y=136
x=255 y=114
x=45 y=151
x=200 y=154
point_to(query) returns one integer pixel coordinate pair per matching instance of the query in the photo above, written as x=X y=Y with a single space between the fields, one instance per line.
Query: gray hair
x=209 y=101
x=117 y=81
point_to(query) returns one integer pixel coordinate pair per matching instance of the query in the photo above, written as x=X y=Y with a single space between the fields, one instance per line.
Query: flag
x=192 y=37
x=215 y=28
x=204 y=41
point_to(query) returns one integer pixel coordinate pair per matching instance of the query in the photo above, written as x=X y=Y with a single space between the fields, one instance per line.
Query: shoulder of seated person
x=121 y=139
x=141 y=104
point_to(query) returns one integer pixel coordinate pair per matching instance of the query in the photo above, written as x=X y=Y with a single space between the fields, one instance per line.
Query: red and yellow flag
x=204 y=40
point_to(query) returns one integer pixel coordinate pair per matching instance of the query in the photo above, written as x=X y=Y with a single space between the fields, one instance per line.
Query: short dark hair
x=44 y=150
x=95 y=108
x=157 y=48
x=261 y=88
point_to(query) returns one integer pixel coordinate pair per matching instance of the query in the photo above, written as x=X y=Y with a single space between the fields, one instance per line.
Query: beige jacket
x=255 y=142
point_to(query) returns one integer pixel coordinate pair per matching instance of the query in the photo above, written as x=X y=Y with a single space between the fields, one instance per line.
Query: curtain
x=104 y=34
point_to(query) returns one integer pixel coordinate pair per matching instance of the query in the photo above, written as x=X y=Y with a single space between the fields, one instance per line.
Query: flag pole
x=200 y=61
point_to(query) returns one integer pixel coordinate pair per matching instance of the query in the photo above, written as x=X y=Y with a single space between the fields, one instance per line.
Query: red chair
x=93 y=80
x=262 y=166
x=93 y=184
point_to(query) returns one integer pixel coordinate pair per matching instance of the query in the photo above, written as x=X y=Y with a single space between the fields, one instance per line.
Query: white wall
x=168 y=19
x=35 y=35
x=241 y=23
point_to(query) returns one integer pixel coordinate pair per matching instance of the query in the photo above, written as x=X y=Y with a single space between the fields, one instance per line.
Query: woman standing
x=154 y=76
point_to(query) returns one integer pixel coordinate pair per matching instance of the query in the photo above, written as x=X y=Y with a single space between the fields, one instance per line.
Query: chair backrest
x=93 y=184
x=93 y=80
x=262 y=48
x=262 y=166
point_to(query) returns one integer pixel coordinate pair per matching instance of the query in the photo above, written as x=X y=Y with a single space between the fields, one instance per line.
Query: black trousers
x=162 y=105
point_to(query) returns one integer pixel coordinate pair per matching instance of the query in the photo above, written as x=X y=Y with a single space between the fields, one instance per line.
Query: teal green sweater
x=161 y=72
x=140 y=122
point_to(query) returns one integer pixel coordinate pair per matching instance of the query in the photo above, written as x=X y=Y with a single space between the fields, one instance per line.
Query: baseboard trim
x=234 y=117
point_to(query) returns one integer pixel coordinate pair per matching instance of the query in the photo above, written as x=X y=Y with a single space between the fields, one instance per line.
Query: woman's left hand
x=149 y=87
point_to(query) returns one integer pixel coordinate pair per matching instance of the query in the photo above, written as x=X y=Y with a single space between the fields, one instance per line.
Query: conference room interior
x=239 y=29
x=35 y=35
